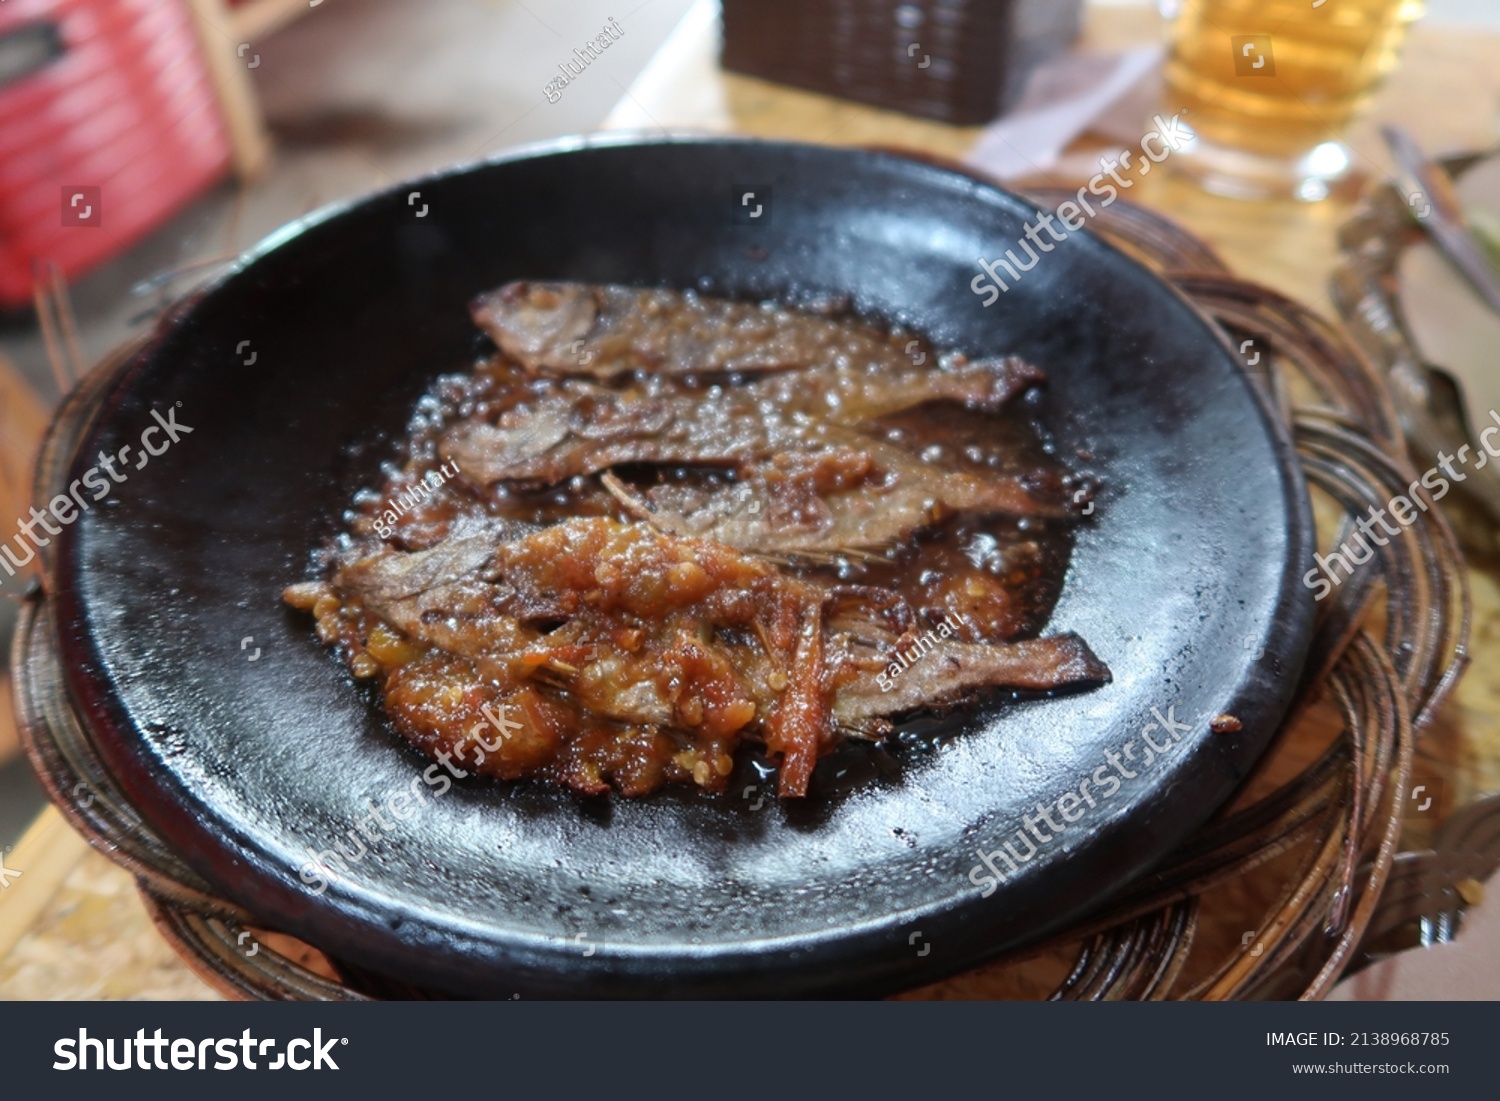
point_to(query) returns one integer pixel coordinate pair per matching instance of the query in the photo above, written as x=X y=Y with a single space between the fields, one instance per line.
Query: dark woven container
x=959 y=61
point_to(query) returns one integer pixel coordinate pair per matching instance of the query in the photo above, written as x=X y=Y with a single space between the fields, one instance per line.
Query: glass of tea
x=1268 y=86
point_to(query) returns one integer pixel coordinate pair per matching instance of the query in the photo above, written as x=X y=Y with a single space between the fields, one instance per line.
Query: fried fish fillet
x=605 y=331
x=660 y=634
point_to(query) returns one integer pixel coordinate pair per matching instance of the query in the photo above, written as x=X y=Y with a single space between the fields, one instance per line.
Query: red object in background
x=109 y=123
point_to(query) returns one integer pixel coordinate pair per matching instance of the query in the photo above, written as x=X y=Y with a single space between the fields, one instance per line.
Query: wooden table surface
x=71 y=926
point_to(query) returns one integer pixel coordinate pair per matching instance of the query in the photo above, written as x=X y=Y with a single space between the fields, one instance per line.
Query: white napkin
x=1063 y=98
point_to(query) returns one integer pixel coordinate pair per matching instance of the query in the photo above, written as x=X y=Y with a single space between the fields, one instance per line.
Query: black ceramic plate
x=296 y=372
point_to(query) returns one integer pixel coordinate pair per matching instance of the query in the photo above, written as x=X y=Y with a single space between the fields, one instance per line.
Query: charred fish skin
x=606 y=331
x=854 y=396
x=537 y=324
x=953 y=670
x=841 y=501
x=845 y=371
x=566 y=433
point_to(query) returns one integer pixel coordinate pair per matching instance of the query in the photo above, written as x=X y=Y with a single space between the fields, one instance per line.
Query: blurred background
x=227 y=120
x=351 y=96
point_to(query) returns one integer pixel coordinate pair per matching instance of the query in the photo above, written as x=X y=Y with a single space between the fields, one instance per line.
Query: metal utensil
x=1436 y=206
